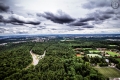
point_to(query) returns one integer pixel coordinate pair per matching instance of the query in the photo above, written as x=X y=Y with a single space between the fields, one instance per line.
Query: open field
x=118 y=59
x=112 y=53
x=109 y=72
x=93 y=55
x=91 y=51
x=112 y=45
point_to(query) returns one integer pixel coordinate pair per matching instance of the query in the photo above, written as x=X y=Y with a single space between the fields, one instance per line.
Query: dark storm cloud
x=88 y=26
x=32 y=22
x=114 y=14
x=3 y=7
x=1 y=17
x=11 y=6
x=60 y=18
x=16 y=23
x=91 y=4
x=17 y=20
x=104 y=17
x=79 y=29
x=81 y=21
x=109 y=11
x=78 y=23
x=87 y=19
x=97 y=17
x=100 y=16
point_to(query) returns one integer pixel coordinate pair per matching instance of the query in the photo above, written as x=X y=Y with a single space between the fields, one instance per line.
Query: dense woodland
x=14 y=58
x=59 y=63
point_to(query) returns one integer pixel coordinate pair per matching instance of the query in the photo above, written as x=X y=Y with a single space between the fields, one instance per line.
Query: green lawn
x=91 y=51
x=112 y=53
x=109 y=72
x=93 y=55
x=112 y=45
x=118 y=59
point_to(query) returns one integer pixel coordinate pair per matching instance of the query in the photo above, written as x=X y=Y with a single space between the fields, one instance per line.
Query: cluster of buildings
x=40 y=39
x=2 y=44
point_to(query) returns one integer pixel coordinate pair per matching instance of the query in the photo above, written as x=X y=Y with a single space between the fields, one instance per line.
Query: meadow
x=96 y=51
x=112 y=53
x=109 y=72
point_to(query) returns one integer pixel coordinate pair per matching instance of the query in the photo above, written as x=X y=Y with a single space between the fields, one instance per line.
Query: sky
x=59 y=17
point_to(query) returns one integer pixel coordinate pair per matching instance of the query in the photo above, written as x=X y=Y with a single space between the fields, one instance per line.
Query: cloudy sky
x=59 y=17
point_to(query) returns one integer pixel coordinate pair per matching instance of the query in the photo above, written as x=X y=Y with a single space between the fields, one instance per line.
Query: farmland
x=112 y=53
x=109 y=72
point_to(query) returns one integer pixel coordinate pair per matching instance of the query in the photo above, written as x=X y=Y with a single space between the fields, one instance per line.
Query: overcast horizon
x=58 y=17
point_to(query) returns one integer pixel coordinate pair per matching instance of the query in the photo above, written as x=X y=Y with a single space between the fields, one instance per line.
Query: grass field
x=93 y=55
x=112 y=53
x=109 y=72
x=112 y=45
x=118 y=59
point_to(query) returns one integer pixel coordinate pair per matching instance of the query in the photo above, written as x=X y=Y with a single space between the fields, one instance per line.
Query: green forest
x=59 y=63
